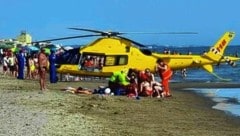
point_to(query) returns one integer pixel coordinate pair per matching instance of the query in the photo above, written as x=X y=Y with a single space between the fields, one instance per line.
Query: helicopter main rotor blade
x=88 y=30
x=103 y=33
x=178 y=33
x=159 y=33
x=65 y=38
x=113 y=33
x=119 y=33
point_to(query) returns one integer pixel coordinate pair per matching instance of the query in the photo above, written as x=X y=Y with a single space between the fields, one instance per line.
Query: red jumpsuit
x=165 y=75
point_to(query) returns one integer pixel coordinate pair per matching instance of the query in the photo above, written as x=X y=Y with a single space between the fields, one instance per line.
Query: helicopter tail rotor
x=229 y=61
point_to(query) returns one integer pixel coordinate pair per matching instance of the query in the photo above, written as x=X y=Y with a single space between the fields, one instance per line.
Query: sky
x=47 y=19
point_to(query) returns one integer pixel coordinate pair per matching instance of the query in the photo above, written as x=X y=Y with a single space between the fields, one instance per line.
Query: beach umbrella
x=53 y=47
x=67 y=47
x=33 y=48
x=5 y=45
x=30 y=49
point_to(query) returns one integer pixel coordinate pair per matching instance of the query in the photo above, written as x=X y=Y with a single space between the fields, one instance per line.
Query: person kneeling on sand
x=146 y=89
x=157 y=89
x=145 y=82
x=132 y=88
x=118 y=82
x=152 y=89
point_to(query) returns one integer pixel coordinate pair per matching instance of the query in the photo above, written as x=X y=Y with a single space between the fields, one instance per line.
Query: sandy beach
x=24 y=111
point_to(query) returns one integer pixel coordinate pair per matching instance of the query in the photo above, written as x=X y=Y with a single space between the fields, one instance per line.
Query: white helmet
x=107 y=91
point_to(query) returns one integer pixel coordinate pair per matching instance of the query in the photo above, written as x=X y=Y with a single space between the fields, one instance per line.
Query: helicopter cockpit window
x=116 y=60
x=110 y=61
x=122 y=60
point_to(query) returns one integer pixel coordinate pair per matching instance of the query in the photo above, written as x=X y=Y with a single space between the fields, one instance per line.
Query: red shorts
x=148 y=92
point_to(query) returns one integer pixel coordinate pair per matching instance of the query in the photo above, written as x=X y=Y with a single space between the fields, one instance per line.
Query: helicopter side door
x=91 y=62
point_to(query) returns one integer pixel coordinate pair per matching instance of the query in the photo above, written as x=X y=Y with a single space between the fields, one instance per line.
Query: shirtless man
x=42 y=63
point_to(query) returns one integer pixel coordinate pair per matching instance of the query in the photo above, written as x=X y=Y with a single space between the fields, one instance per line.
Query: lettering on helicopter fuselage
x=221 y=45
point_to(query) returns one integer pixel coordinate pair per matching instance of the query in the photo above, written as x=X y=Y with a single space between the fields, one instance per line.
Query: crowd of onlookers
x=9 y=61
x=23 y=65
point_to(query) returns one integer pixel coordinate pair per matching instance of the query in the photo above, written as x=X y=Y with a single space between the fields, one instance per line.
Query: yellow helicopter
x=112 y=52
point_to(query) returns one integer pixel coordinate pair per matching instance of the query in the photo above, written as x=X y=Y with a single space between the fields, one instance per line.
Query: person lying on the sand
x=78 y=90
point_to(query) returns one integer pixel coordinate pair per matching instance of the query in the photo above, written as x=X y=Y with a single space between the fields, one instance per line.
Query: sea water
x=227 y=99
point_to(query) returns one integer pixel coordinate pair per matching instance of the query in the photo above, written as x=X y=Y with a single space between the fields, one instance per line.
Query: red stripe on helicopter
x=221 y=45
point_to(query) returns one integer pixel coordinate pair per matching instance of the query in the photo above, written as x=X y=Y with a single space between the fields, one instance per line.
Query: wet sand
x=26 y=112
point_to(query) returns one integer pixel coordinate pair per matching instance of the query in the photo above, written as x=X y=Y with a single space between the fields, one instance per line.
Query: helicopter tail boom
x=217 y=51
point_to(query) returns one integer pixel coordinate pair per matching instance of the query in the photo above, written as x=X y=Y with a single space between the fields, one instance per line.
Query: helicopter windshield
x=69 y=57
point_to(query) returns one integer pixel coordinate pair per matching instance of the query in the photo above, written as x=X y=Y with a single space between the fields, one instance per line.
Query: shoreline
x=193 y=86
x=184 y=85
x=62 y=113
